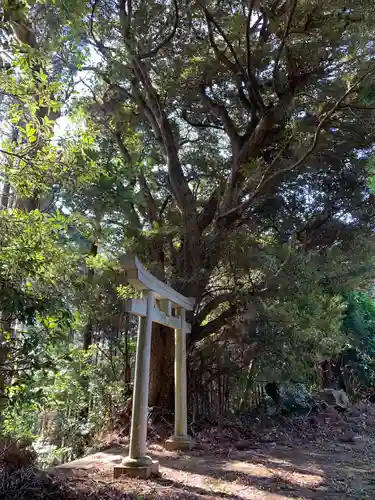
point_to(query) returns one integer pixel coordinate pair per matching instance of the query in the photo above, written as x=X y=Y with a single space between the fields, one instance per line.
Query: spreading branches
x=152 y=209
x=199 y=124
x=236 y=68
x=252 y=85
x=324 y=119
x=14 y=155
x=211 y=19
x=220 y=112
x=214 y=303
x=123 y=150
x=237 y=300
x=125 y=17
x=213 y=326
x=266 y=180
x=281 y=47
x=153 y=52
x=148 y=100
x=100 y=46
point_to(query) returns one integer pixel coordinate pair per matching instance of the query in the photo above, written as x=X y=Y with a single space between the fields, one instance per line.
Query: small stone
x=243 y=445
x=224 y=443
x=201 y=446
x=314 y=420
x=285 y=440
x=335 y=398
x=349 y=437
x=363 y=408
x=331 y=414
x=344 y=426
x=266 y=439
x=354 y=413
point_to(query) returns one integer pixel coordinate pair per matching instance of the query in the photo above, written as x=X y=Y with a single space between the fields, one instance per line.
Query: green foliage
x=359 y=322
x=226 y=156
x=359 y=328
x=34 y=267
x=48 y=398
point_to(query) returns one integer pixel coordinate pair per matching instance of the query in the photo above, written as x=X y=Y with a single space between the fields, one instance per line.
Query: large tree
x=230 y=118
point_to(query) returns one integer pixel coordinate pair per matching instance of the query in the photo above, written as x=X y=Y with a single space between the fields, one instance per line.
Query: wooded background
x=229 y=145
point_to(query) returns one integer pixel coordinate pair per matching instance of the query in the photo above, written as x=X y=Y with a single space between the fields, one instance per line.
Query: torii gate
x=160 y=304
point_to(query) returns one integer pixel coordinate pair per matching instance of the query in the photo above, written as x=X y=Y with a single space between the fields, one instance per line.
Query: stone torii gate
x=160 y=304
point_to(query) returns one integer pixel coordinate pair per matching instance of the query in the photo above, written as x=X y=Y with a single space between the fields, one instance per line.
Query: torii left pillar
x=138 y=464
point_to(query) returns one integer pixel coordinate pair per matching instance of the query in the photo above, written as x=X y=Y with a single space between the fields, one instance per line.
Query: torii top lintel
x=142 y=279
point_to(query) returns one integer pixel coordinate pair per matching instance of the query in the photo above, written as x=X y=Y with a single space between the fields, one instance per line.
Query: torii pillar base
x=179 y=443
x=141 y=468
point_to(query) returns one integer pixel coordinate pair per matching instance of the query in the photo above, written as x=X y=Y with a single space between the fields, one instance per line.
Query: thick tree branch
x=220 y=321
x=248 y=38
x=209 y=211
x=199 y=124
x=213 y=304
x=164 y=206
x=249 y=106
x=154 y=112
x=252 y=83
x=220 y=112
x=250 y=147
x=134 y=219
x=235 y=68
x=271 y=118
x=211 y=19
x=152 y=208
x=125 y=17
x=148 y=114
x=123 y=150
x=101 y=47
x=200 y=332
x=153 y=52
x=281 y=47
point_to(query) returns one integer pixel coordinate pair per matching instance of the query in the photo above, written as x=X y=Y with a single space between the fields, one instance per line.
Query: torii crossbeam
x=160 y=304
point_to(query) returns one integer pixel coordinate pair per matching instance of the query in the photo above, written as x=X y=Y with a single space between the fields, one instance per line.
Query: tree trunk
x=87 y=336
x=161 y=391
x=88 y=332
x=5 y=194
x=5 y=328
x=249 y=384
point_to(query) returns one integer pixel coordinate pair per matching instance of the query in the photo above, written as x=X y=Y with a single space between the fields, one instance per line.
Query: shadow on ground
x=329 y=470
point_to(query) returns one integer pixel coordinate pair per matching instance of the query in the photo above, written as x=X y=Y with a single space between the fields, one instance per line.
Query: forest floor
x=329 y=455
x=270 y=471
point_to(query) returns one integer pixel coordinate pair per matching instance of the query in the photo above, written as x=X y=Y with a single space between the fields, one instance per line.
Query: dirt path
x=328 y=470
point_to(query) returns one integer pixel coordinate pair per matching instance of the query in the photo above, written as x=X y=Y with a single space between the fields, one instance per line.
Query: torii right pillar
x=180 y=440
